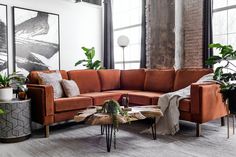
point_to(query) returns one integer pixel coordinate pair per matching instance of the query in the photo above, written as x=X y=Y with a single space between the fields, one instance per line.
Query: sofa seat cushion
x=185 y=105
x=73 y=103
x=110 y=79
x=144 y=98
x=100 y=97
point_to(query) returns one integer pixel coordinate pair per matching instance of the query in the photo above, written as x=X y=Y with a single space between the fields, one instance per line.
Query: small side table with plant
x=225 y=75
x=15 y=121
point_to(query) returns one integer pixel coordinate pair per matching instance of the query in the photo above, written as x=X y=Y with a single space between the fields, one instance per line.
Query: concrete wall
x=174 y=33
x=80 y=25
x=160 y=33
x=179 y=34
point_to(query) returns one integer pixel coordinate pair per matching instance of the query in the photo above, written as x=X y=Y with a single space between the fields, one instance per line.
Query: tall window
x=224 y=23
x=127 y=21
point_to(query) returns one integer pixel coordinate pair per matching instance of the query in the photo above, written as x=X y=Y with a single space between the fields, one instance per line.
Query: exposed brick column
x=193 y=33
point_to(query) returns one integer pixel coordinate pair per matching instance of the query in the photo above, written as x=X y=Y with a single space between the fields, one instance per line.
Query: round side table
x=15 y=123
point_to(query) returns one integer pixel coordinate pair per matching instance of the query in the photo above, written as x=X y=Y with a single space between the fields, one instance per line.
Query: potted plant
x=225 y=73
x=112 y=107
x=7 y=82
x=89 y=63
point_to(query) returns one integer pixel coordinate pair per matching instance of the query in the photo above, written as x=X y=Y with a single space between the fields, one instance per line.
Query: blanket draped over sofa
x=169 y=105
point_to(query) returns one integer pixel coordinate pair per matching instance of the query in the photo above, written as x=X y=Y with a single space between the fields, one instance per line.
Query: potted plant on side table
x=7 y=82
x=13 y=108
x=225 y=73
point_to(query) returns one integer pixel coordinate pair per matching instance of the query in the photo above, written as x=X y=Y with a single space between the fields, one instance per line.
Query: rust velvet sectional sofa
x=143 y=86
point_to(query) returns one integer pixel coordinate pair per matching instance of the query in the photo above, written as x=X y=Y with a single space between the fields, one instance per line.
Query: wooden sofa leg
x=222 y=119
x=198 y=129
x=46 y=131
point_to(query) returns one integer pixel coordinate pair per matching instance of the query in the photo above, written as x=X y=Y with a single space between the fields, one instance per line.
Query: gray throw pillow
x=70 y=88
x=53 y=79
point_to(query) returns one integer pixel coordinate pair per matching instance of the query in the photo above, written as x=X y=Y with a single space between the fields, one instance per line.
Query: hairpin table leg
x=233 y=124
x=108 y=131
x=154 y=129
x=227 y=126
x=227 y=117
x=102 y=130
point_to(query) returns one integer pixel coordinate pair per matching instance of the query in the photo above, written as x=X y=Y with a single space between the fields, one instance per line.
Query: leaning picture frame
x=3 y=39
x=36 y=40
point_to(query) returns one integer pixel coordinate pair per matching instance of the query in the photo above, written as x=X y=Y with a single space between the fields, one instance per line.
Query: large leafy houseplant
x=225 y=73
x=89 y=63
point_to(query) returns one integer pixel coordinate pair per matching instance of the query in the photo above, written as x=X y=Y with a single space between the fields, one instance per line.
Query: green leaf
x=1 y=111
x=91 y=53
x=96 y=65
x=216 y=45
x=80 y=61
x=85 y=49
x=213 y=60
x=218 y=73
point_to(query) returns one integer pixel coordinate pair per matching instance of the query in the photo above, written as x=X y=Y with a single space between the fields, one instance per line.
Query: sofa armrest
x=206 y=102
x=42 y=100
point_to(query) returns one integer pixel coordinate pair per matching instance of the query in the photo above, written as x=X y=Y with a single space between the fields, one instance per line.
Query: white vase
x=6 y=94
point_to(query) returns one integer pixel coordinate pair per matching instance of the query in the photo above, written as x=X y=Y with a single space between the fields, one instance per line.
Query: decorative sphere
x=123 y=41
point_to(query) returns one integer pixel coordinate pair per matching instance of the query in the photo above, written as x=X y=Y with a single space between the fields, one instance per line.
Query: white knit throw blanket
x=169 y=105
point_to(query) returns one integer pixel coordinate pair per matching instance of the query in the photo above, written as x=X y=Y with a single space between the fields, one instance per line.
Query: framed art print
x=36 y=40
x=3 y=39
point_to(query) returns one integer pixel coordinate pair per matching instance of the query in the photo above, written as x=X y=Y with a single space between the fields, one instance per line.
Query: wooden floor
x=75 y=140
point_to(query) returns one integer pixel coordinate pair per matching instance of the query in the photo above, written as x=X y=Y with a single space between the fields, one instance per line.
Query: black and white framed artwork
x=36 y=40
x=3 y=39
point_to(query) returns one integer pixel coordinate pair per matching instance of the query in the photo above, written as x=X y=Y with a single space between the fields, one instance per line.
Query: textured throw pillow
x=70 y=88
x=53 y=79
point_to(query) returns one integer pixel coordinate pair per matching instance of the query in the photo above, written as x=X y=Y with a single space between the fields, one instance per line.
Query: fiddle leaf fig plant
x=225 y=74
x=89 y=63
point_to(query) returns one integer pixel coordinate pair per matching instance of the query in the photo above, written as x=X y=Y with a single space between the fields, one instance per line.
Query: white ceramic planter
x=6 y=94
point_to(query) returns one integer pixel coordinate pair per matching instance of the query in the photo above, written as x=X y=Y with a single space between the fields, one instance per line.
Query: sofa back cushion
x=132 y=79
x=34 y=78
x=159 y=80
x=187 y=76
x=110 y=79
x=87 y=80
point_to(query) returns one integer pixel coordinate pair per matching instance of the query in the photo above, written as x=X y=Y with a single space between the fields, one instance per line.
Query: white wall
x=80 y=25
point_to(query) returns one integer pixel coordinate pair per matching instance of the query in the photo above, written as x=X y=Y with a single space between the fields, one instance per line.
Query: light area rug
x=79 y=140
